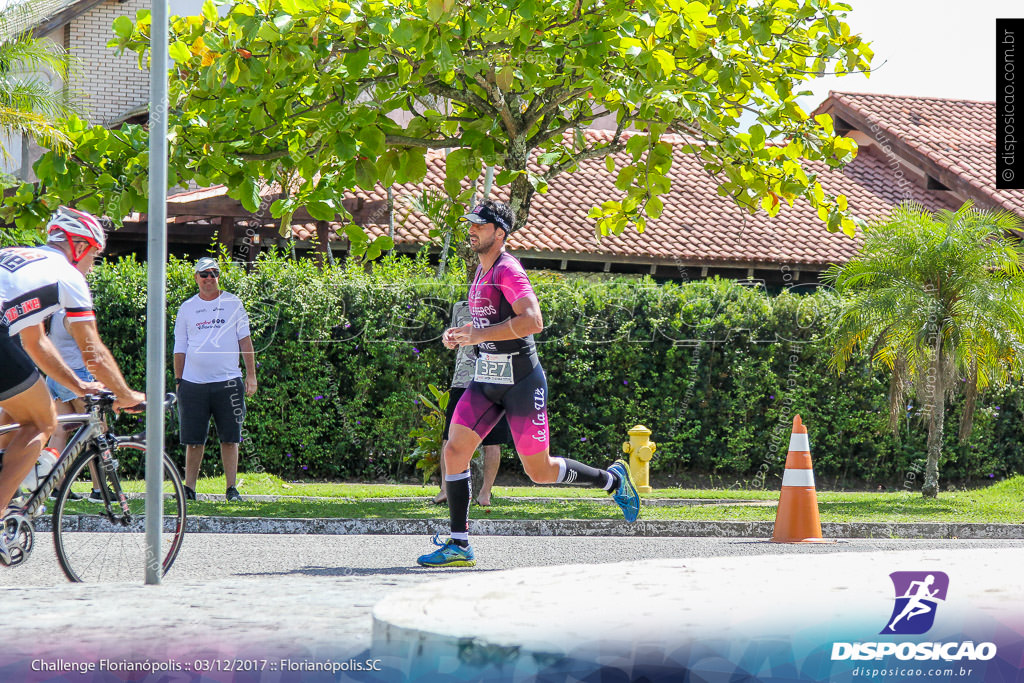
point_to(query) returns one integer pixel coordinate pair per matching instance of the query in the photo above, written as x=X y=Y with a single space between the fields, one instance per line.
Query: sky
x=931 y=48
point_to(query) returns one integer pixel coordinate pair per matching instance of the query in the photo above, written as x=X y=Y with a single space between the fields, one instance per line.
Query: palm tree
x=936 y=298
x=445 y=217
x=28 y=102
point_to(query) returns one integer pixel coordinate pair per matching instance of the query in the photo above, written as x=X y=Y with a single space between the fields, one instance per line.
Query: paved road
x=305 y=600
x=215 y=557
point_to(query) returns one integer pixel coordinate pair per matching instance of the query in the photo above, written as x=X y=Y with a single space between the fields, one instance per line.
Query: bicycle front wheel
x=95 y=540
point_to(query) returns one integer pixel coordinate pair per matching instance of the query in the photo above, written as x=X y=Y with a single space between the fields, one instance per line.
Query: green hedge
x=716 y=369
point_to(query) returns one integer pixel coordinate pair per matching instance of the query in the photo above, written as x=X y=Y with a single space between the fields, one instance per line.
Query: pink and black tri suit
x=524 y=399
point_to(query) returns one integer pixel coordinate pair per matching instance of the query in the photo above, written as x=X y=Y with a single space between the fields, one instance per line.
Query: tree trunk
x=936 y=424
x=521 y=192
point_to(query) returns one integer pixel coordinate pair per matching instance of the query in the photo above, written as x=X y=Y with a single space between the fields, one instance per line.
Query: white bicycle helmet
x=66 y=223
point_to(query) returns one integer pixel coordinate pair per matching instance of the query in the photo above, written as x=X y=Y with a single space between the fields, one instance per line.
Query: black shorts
x=18 y=372
x=224 y=401
x=523 y=403
x=498 y=436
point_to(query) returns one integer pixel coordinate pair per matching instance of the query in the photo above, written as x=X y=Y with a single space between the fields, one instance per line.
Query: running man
x=509 y=381
x=917 y=591
x=34 y=283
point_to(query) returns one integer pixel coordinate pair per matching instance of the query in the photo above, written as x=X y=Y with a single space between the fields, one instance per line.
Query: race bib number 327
x=494 y=368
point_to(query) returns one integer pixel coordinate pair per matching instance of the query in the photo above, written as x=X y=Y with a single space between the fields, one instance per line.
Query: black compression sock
x=459 y=488
x=574 y=472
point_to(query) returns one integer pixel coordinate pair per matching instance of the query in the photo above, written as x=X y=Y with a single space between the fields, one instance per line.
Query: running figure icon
x=917 y=595
x=915 y=606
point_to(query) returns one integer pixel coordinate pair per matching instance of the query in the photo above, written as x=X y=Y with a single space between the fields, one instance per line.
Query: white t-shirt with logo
x=207 y=332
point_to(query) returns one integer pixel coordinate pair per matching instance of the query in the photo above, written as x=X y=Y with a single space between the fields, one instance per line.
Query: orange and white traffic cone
x=796 y=520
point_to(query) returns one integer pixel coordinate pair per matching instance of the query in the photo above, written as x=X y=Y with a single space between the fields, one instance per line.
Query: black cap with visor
x=483 y=214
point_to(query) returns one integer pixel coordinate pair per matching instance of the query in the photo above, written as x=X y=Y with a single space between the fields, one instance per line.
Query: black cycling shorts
x=224 y=401
x=524 y=403
x=498 y=436
x=17 y=371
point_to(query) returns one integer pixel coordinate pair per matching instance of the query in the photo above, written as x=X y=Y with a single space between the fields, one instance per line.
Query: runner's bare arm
x=46 y=357
x=101 y=362
x=526 y=321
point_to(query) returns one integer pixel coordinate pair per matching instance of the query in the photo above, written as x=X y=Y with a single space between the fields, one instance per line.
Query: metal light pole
x=156 y=296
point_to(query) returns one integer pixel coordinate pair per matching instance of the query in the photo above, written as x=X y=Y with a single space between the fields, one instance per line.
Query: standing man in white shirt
x=211 y=329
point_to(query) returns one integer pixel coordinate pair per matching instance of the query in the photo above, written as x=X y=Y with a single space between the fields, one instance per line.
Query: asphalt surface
x=302 y=600
x=214 y=557
x=236 y=592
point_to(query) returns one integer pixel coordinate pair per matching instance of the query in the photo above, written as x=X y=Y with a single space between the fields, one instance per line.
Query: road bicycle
x=98 y=520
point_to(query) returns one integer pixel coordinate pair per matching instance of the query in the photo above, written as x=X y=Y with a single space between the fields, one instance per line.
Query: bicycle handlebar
x=106 y=399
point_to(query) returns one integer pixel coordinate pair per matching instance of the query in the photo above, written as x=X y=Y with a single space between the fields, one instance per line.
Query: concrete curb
x=570 y=527
x=605 y=500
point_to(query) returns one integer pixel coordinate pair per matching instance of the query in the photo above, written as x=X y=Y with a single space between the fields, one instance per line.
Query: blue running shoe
x=447 y=555
x=625 y=496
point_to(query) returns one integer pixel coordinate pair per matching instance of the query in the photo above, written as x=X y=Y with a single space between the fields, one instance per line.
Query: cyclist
x=34 y=283
x=510 y=381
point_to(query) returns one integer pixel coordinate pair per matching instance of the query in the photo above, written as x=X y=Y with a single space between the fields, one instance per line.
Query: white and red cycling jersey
x=36 y=282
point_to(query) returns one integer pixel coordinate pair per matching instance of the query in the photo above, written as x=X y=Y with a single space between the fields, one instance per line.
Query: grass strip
x=998 y=503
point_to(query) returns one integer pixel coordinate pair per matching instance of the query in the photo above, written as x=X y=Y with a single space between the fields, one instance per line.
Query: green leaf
x=210 y=12
x=381 y=244
x=415 y=166
x=696 y=12
x=373 y=140
x=435 y=9
x=654 y=208
x=825 y=121
x=609 y=163
x=123 y=27
x=665 y=60
x=355 y=234
x=355 y=63
x=625 y=178
x=320 y=211
x=179 y=51
x=366 y=174
x=249 y=194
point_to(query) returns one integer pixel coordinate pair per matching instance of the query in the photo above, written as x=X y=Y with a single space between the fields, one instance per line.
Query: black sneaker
x=232 y=494
x=96 y=497
x=190 y=494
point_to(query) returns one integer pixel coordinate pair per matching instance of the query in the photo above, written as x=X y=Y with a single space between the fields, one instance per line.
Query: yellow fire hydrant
x=640 y=449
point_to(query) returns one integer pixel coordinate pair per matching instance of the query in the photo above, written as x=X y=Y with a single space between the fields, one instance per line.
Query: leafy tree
x=939 y=301
x=28 y=103
x=322 y=96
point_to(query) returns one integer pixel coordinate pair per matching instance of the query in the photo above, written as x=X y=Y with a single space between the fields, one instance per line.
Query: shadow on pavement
x=365 y=571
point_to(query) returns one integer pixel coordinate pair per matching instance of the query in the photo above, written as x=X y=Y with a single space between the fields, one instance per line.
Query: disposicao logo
x=918 y=595
x=917 y=598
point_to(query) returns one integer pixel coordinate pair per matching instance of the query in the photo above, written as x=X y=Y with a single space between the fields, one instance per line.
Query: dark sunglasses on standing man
x=208 y=273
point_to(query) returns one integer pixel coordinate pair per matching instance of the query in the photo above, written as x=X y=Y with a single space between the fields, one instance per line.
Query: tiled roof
x=18 y=17
x=697 y=225
x=956 y=136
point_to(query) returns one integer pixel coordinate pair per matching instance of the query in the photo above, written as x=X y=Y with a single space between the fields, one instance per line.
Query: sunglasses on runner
x=208 y=273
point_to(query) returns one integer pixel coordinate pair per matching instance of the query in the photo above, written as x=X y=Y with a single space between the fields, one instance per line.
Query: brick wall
x=108 y=85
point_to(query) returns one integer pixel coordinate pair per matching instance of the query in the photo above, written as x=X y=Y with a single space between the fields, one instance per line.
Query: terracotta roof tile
x=697 y=225
x=957 y=135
